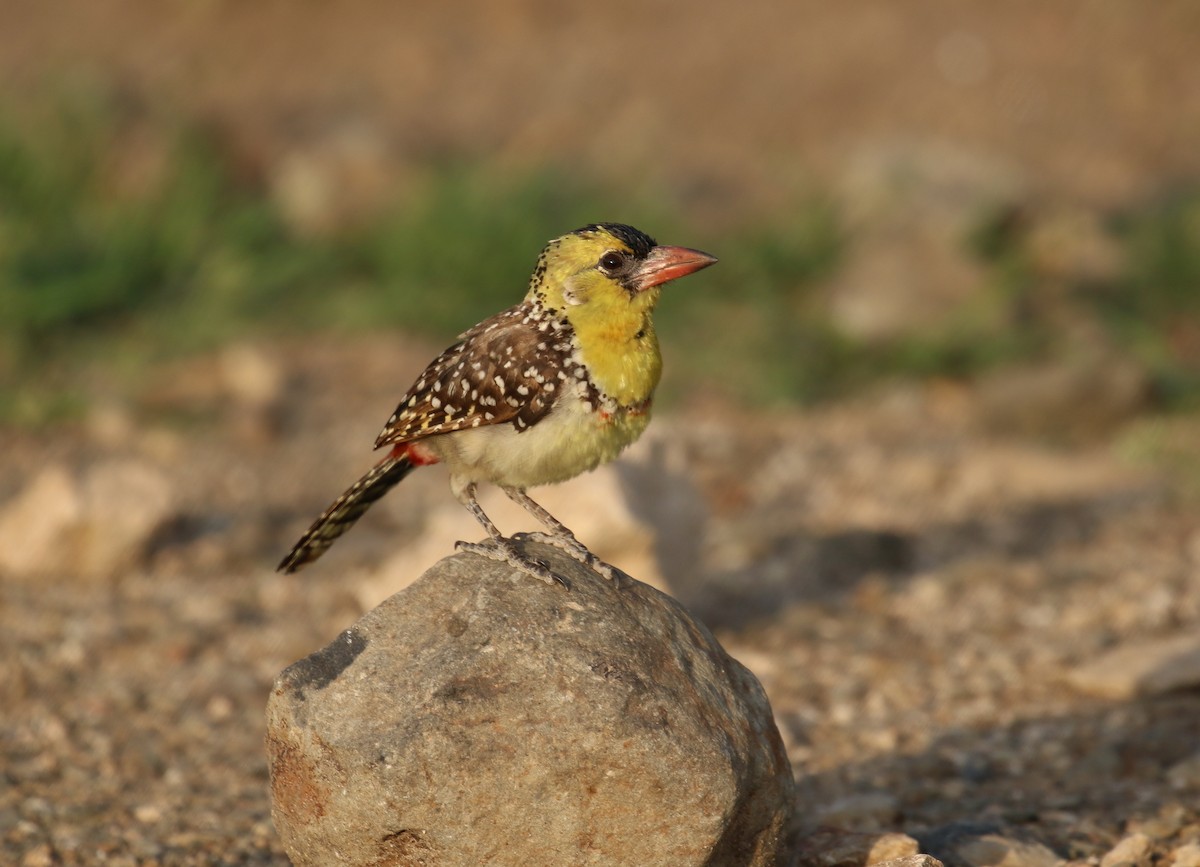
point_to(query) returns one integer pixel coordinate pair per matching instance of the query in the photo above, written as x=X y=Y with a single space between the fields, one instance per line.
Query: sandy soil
x=918 y=595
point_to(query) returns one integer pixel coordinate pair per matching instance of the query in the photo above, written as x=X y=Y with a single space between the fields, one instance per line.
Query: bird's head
x=609 y=269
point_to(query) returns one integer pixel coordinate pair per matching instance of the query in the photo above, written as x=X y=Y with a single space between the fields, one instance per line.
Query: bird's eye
x=612 y=261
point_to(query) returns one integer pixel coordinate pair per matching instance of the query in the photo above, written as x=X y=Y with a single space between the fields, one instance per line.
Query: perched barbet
x=535 y=395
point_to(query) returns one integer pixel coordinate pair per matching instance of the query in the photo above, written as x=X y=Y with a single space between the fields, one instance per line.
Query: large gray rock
x=482 y=717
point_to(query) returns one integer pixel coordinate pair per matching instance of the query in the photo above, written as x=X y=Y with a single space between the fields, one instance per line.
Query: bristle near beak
x=669 y=263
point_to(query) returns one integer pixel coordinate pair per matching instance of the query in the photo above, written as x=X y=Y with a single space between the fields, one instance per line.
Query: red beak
x=669 y=263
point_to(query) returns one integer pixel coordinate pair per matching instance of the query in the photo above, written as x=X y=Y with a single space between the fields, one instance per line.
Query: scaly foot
x=505 y=551
x=577 y=551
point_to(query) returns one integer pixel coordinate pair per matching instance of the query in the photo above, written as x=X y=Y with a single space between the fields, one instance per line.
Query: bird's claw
x=504 y=551
x=576 y=550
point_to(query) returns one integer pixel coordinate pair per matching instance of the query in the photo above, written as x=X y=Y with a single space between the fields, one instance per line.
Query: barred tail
x=345 y=510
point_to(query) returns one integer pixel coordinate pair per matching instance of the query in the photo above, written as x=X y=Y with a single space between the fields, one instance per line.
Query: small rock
x=125 y=503
x=92 y=524
x=1141 y=668
x=34 y=523
x=1187 y=855
x=41 y=855
x=892 y=847
x=979 y=844
x=912 y=861
x=147 y=814
x=255 y=384
x=1132 y=849
x=1168 y=822
x=251 y=377
x=219 y=708
x=836 y=847
x=1185 y=774
x=994 y=850
x=864 y=811
x=604 y=723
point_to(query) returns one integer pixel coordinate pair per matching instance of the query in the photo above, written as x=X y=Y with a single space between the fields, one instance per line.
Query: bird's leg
x=560 y=536
x=498 y=547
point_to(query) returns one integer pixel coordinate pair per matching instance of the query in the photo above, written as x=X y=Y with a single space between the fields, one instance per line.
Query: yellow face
x=594 y=266
x=607 y=279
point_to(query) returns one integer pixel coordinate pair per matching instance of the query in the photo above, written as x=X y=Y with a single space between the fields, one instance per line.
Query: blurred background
x=947 y=189
x=944 y=382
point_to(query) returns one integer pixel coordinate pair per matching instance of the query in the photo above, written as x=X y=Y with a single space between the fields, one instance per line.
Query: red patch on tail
x=417 y=454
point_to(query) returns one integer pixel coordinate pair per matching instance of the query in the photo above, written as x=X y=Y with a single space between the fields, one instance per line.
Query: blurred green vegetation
x=1156 y=309
x=94 y=272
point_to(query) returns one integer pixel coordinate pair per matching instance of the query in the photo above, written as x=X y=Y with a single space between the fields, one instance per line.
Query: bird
x=534 y=395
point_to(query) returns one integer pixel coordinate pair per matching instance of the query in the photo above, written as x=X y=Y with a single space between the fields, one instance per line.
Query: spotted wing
x=507 y=369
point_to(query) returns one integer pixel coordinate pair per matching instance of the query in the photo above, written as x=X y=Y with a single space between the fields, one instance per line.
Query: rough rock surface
x=480 y=716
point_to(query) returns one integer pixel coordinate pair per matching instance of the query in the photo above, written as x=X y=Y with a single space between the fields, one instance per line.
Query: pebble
x=837 y=847
x=1187 y=855
x=912 y=861
x=41 y=855
x=982 y=844
x=147 y=814
x=1141 y=668
x=92 y=523
x=1185 y=774
x=1166 y=824
x=1132 y=849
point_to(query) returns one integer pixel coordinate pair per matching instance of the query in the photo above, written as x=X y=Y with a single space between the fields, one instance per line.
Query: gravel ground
x=917 y=595
x=921 y=596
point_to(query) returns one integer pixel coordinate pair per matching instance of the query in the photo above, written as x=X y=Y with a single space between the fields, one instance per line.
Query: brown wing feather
x=507 y=369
